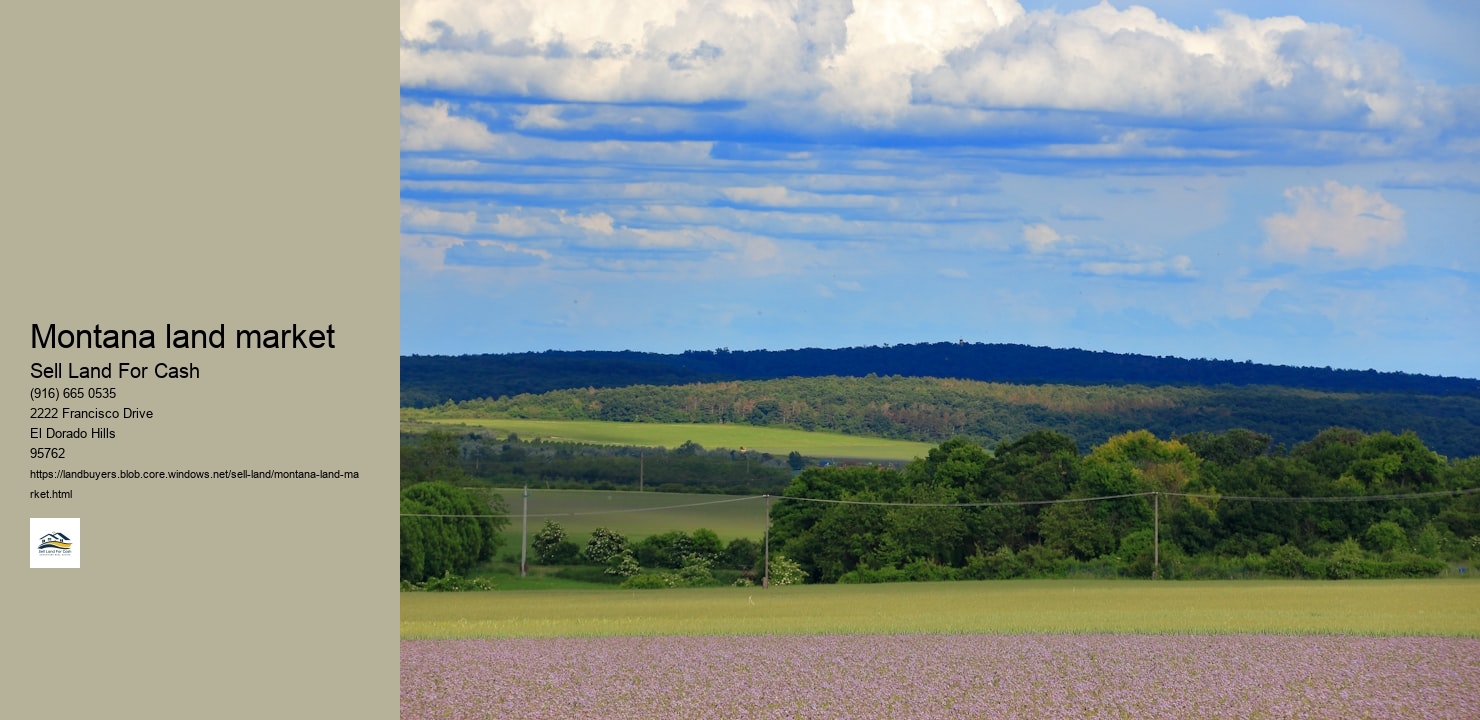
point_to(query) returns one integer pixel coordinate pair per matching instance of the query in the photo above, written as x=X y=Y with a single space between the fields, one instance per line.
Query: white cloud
x=594 y=50
x=425 y=218
x=889 y=42
x=1042 y=238
x=775 y=195
x=541 y=117
x=1178 y=267
x=912 y=67
x=432 y=127
x=596 y=222
x=1334 y=223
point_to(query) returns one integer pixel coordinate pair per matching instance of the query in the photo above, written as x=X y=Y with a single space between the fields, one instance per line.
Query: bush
x=454 y=583
x=1000 y=565
x=1346 y=561
x=622 y=565
x=1042 y=561
x=1384 y=536
x=785 y=571
x=586 y=573
x=694 y=573
x=923 y=570
x=1287 y=561
x=644 y=581
x=551 y=546
x=864 y=576
x=604 y=545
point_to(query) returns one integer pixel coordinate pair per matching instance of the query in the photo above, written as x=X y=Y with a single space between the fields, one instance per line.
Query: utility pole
x=524 y=535
x=766 y=573
x=641 y=464
x=1155 y=535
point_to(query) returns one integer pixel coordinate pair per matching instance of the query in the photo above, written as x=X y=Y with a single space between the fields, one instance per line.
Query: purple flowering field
x=944 y=676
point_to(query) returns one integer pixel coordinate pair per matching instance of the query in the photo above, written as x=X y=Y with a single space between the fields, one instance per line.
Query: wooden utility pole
x=1155 y=535
x=766 y=573
x=524 y=535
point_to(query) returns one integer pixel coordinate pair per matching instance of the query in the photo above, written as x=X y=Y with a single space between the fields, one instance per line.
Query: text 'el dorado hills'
x=115 y=339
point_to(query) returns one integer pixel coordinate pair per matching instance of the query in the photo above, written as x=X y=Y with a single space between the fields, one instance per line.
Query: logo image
x=56 y=542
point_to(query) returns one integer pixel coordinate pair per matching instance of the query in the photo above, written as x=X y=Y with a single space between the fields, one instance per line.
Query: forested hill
x=433 y=379
x=932 y=409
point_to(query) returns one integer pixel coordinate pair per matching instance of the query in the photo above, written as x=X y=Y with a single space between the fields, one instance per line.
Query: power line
x=598 y=512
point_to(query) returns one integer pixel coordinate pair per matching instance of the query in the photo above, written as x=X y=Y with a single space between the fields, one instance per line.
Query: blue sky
x=1291 y=183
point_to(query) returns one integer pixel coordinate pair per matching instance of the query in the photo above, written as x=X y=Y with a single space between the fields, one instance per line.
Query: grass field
x=636 y=515
x=1366 y=607
x=776 y=441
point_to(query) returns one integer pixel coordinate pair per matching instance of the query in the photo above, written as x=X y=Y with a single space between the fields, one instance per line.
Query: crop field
x=1005 y=649
x=776 y=441
x=1145 y=677
x=1366 y=607
x=636 y=515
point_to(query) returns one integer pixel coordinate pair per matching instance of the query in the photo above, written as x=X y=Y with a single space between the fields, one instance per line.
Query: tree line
x=934 y=409
x=1206 y=525
x=510 y=461
x=1210 y=534
x=428 y=380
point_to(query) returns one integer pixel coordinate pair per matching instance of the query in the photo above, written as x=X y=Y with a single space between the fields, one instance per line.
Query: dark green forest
x=432 y=379
x=933 y=410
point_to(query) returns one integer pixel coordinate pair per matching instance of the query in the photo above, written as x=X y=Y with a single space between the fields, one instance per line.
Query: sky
x=1295 y=183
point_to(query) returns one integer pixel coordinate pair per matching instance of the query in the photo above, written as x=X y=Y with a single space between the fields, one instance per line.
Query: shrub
x=622 y=565
x=644 y=581
x=999 y=565
x=1384 y=536
x=1346 y=561
x=455 y=583
x=604 y=545
x=1286 y=561
x=785 y=571
x=551 y=546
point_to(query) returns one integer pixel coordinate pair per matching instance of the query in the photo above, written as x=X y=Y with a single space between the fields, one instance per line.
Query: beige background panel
x=199 y=165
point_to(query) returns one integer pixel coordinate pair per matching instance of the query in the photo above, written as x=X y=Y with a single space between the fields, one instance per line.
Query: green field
x=634 y=514
x=776 y=441
x=1368 y=607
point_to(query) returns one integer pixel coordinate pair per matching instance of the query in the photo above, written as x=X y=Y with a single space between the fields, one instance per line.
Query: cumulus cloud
x=910 y=67
x=1334 y=223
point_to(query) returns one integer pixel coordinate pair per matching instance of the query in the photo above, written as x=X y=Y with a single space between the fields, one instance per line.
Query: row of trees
x=512 y=462
x=1207 y=526
x=934 y=409
x=1214 y=534
x=670 y=559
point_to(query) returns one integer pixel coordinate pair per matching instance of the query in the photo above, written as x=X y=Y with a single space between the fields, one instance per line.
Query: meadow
x=1362 y=607
x=635 y=515
x=776 y=441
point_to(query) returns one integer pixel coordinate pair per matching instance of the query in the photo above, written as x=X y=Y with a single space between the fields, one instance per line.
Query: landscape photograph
x=971 y=358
